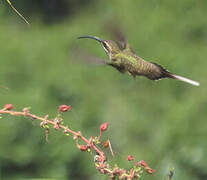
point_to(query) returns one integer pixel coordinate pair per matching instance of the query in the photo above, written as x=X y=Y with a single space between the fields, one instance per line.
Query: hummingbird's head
x=110 y=47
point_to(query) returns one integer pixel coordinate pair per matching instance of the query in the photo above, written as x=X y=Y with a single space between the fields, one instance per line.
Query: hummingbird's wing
x=81 y=54
x=117 y=34
x=121 y=69
x=4 y=89
x=120 y=38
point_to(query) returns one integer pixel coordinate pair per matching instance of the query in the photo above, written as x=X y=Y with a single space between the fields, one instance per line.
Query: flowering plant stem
x=92 y=143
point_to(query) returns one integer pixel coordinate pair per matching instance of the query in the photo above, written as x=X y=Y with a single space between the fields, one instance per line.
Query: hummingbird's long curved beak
x=91 y=37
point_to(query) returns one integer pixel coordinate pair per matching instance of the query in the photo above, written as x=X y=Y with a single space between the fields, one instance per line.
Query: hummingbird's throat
x=105 y=46
x=106 y=50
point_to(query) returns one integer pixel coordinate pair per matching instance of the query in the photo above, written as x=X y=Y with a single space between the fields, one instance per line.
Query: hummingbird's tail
x=174 y=76
x=164 y=73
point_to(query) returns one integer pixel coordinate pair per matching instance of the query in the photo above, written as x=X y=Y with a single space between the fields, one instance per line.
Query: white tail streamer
x=195 y=83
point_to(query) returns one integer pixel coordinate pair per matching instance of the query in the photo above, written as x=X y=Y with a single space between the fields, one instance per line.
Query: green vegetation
x=162 y=122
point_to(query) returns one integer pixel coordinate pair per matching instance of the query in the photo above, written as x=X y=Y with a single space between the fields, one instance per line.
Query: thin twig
x=9 y=2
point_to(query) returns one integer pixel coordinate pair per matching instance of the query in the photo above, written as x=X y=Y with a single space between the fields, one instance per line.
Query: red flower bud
x=64 y=108
x=151 y=171
x=130 y=158
x=106 y=144
x=104 y=126
x=57 y=126
x=8 y=106
x=83 y=147
x=26 y=110
x=75 y=137
x=143 y=163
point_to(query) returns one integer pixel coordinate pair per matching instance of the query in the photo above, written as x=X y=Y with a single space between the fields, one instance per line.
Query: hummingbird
x=123 y=58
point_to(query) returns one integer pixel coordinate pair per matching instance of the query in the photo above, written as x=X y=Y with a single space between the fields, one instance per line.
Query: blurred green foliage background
x=162 y=122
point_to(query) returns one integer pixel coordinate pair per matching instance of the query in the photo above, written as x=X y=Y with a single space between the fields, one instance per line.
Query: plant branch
x=100 y=159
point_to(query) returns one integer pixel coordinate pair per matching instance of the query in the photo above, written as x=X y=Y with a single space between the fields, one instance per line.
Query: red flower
x=8 y=106
x=83 y=147
x=144 y=164
x=64 y=108
x=104 y=126
x=130 y=158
